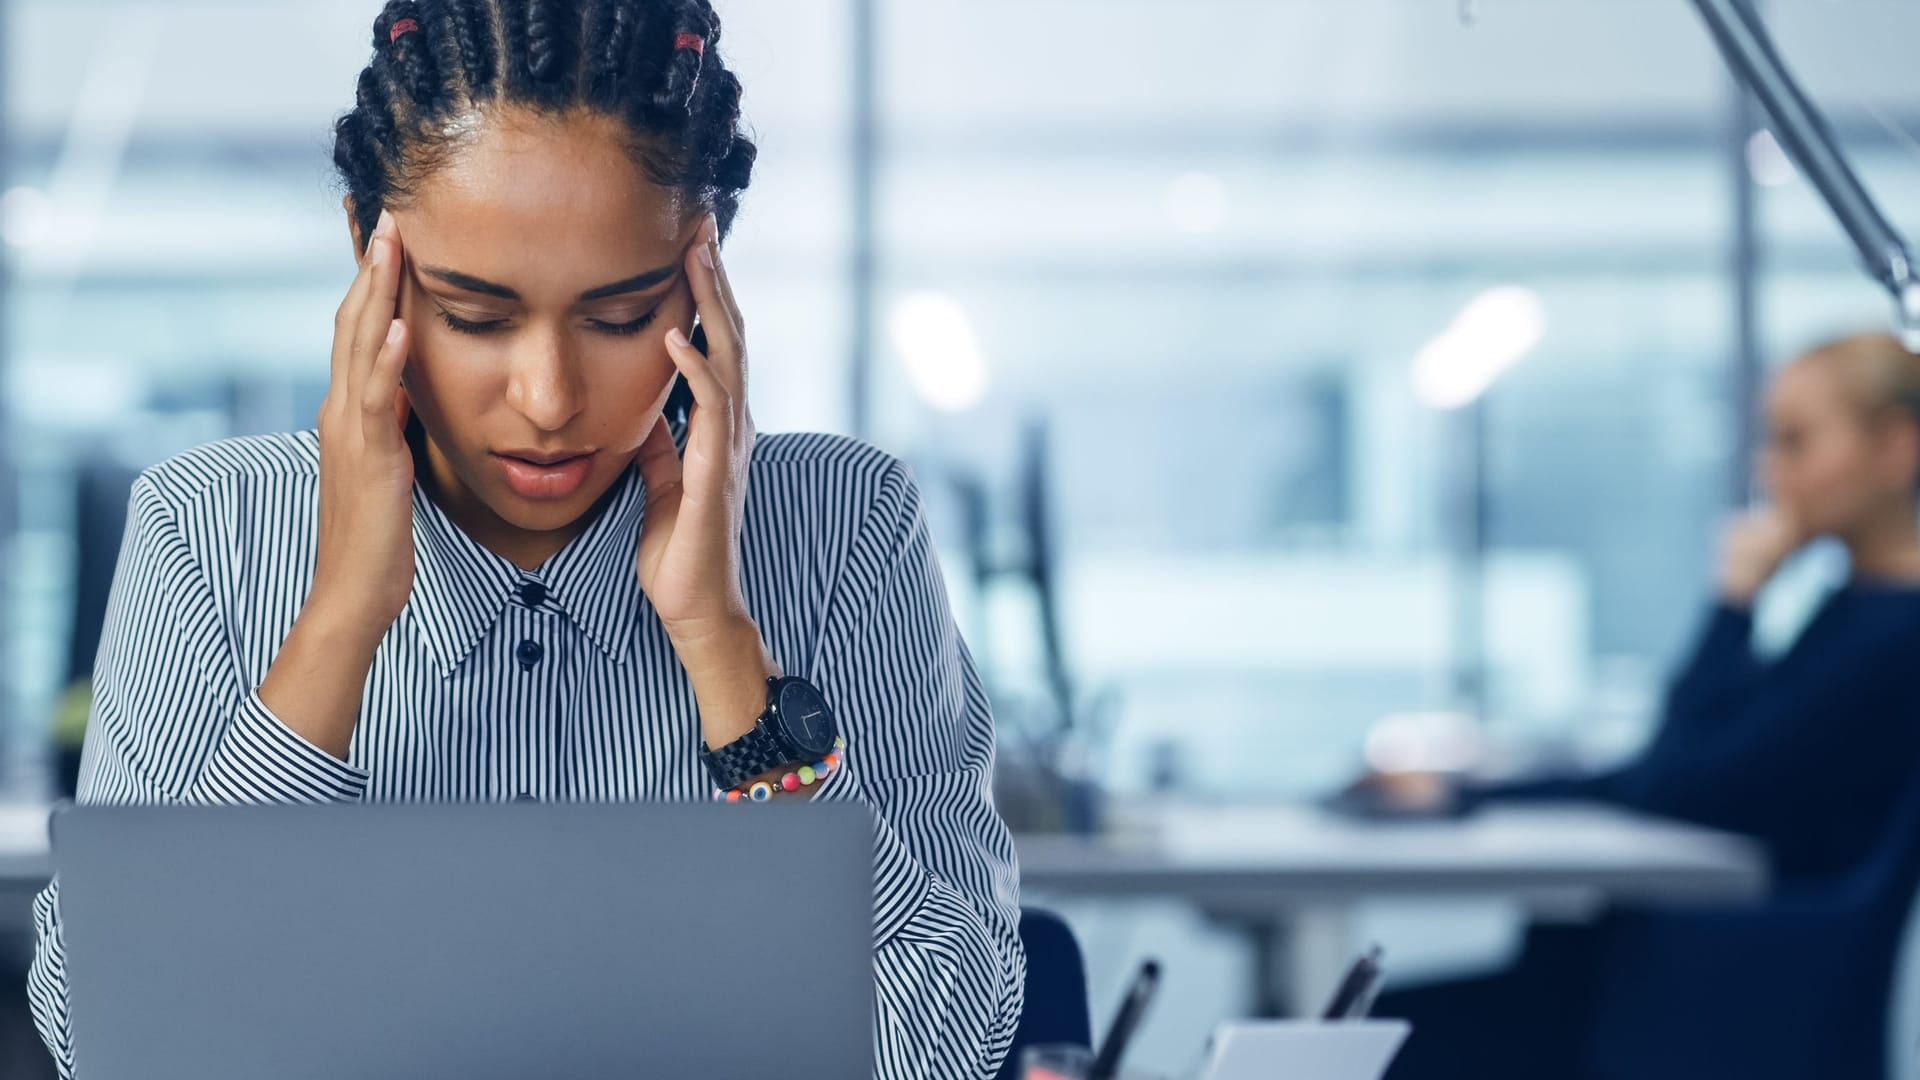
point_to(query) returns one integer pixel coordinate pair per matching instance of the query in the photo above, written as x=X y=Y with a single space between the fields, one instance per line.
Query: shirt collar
x=460 y=588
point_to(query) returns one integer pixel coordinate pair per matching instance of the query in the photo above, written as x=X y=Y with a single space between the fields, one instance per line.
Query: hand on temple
x=1752 y=549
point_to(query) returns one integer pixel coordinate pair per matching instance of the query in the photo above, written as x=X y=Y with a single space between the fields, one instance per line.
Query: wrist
x=316 y=679
x=719 y=647
x=340 y=624
x=802 y=779
x=713 y=635
x=729 y=667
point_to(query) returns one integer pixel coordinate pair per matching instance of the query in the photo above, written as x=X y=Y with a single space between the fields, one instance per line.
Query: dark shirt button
x=532 y=593
x=529 y=653
x=523 y=797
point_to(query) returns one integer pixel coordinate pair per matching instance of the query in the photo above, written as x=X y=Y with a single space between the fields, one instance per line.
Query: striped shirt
x=560 y=683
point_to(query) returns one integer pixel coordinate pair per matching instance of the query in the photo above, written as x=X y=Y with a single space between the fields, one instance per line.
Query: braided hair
x=634 y=60
x=628 y=59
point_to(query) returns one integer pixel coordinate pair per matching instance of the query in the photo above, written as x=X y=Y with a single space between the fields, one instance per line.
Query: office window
x=1203 y=259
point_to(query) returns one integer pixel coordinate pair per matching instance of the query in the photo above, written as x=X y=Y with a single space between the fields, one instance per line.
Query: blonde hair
x=1879 y=373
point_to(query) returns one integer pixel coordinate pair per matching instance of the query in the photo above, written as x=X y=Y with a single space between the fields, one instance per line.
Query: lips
x=554 y=478
x=538 y=457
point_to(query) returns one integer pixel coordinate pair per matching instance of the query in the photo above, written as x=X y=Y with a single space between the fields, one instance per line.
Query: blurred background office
x=1296 y=386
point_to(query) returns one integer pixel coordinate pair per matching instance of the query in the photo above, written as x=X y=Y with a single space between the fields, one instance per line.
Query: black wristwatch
x=796 y=727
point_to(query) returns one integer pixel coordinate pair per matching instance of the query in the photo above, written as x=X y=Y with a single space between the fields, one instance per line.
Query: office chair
x=1800 y=986
x=1903 y=1014
x=1056 y=990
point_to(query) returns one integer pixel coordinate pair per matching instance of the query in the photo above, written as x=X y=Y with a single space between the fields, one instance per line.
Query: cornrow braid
x=410 y=73
x=621 y=58
x=613 y=58
x=684 y=66
x=470 y=24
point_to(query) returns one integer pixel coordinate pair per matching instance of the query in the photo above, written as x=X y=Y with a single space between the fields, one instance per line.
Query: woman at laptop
x=501 y=566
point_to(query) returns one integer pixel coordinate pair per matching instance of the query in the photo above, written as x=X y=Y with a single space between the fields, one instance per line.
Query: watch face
x=806 y=719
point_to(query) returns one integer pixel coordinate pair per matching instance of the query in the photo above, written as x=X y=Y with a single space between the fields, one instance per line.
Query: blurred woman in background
x=1807 y=753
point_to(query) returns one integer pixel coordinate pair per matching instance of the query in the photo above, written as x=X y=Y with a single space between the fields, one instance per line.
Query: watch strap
x=746 y=757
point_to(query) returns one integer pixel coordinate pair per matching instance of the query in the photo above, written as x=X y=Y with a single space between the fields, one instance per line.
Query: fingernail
x=394 y=331
x=706 y=255
x=378 y=253
x=385 y=225
x=675 y=337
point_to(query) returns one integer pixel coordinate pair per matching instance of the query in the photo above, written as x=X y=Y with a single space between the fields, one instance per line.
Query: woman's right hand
x=1412 y=793
x=363 y=570
x=1752 y=549
x=364 y=566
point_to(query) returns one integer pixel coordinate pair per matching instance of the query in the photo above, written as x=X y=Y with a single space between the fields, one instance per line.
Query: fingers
x=709 y=393
x=377 y=312
x=346 y=319
x=382 y=400
x=720 y=275
x=733 y=307
x=712 y=296
x=370 y=346
x=1794 y=529
x=659 y=462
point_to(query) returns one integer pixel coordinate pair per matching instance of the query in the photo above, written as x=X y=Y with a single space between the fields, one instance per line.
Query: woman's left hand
x=689 y=553
x=688 y=560
x=689 y=556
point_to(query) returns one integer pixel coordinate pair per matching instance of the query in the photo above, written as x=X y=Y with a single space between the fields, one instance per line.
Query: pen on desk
x=1106 y=1063
x=1355 y=994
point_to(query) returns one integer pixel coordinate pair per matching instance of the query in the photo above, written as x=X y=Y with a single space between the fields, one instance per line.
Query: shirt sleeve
x=1754 y=746
x=949 y=970
x=1715 y=678
x=172 y=721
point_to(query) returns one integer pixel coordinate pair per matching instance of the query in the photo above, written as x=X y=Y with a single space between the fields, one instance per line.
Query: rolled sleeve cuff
x=900 y=883
x=262 y=760
x=1729 y=627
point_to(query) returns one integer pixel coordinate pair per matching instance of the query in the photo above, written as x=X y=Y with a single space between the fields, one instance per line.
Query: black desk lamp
x=1802 y=131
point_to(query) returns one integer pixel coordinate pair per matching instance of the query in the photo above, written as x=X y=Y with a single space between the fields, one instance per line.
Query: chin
x=541 y=517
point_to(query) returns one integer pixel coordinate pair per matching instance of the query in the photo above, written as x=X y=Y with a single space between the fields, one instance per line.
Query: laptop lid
x=1322 y=1050
x=476 y=940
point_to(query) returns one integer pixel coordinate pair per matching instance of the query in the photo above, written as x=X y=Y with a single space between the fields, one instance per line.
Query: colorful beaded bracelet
x=805 y=775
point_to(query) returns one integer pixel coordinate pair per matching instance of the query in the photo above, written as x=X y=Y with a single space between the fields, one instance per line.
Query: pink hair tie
x=691 y=41
x=399 y=28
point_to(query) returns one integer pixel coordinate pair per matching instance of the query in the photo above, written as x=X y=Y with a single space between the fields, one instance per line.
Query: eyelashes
x=463 y=326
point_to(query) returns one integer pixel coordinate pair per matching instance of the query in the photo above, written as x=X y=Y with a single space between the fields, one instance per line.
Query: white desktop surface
x=1292 y=877
x=1261 y=857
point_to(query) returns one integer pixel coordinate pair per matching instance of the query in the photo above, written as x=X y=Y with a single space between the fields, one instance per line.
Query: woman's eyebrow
x=487 y=288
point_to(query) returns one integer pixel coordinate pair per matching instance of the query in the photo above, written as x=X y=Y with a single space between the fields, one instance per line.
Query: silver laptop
x=470 y=941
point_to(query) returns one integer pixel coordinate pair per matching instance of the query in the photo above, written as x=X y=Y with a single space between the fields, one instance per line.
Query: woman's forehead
x=554 y=201
x=1806 y=388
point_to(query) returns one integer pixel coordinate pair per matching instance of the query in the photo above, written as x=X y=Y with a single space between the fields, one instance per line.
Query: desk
x=1290 y=876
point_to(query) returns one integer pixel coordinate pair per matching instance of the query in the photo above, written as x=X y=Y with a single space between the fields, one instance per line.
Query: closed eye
x=465 y=326
x=625 y=328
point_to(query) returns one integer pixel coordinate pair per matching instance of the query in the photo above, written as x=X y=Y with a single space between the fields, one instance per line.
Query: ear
x=353 y=228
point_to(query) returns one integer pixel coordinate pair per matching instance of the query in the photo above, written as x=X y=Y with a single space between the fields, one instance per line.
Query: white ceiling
x=222 y=66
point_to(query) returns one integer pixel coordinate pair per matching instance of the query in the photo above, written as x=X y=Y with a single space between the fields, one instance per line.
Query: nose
x=545 y=384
